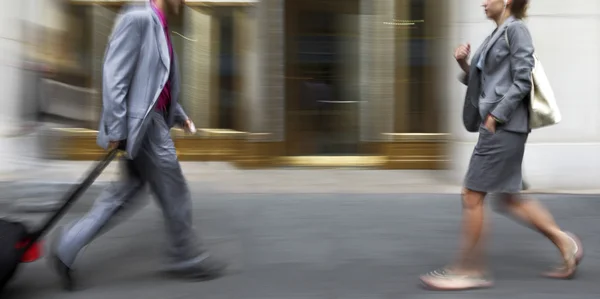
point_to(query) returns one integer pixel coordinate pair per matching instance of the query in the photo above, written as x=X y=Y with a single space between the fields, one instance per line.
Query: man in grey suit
x=140 y=93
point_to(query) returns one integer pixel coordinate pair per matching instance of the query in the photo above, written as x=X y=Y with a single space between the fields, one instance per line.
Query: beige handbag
x=543 y=110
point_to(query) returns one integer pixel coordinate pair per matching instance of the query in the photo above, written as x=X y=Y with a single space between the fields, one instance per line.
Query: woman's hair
x=519 y=8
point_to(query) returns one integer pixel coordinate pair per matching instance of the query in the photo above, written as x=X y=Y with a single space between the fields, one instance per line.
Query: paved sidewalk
x=223 y=177
x=23 y=167
x=323 y=246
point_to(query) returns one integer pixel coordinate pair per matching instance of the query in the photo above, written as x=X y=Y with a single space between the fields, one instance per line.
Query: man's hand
x=490 y=124
x=189 y=126
x=114 y=144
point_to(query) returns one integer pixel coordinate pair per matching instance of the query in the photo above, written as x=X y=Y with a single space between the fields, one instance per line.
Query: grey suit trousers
x=155 y=165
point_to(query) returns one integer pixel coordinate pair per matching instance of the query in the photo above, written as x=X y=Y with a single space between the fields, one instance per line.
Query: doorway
x=322 y=102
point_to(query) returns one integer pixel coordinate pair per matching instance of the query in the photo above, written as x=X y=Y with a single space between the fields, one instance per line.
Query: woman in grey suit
x=496 y=106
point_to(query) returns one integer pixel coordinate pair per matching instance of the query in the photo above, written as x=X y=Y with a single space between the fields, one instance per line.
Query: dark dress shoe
x=207 y=269
x=64 y=272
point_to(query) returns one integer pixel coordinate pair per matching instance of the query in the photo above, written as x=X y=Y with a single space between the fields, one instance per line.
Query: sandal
x=569 y=267
x=445 y=280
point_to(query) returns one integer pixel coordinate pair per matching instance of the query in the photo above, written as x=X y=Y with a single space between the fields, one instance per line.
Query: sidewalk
x=26 y=170
x=223 y=177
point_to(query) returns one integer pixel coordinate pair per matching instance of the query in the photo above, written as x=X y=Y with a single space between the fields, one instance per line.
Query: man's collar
x=159 y=13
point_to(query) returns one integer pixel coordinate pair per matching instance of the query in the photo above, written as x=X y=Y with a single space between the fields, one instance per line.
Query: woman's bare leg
x=533 y=214
x=469 y=270
x=471 y=255
x=530 y=212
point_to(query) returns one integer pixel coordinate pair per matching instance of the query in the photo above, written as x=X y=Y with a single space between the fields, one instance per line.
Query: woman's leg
x=533 y=214
x=469 y=270
x=471 y=259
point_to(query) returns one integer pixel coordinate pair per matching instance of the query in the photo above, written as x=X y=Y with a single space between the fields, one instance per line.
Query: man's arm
x=522 y=63
x=180 y=116
x=119 y=67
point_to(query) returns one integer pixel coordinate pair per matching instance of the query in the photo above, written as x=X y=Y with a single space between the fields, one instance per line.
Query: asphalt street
x=313 y=246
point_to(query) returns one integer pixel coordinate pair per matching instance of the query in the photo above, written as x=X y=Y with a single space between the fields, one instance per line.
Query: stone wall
x=246 y=34
x=377 y=69
x=567 y=42
x=196 y=65
x=103 y=20
x=268 y=113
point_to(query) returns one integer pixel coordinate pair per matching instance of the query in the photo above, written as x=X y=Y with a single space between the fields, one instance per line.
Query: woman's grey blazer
x=503 y=84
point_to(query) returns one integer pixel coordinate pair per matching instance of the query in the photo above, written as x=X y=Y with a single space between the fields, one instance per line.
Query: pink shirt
x=165 y=95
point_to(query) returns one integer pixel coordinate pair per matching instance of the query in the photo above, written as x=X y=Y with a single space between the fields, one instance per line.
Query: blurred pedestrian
x=498 y=87
x=140 y=93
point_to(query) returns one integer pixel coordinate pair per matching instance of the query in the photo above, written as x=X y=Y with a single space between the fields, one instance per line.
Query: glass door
x=322 y=50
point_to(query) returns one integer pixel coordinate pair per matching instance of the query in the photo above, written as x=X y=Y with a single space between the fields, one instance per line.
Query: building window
x=227 y=70
x=417 y=85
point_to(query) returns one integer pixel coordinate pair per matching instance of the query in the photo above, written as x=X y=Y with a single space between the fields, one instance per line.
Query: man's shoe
x=207 y=268
x=65 y=273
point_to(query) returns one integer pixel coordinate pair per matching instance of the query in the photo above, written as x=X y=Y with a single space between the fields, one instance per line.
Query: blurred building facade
x=334 y=82
x=291 y=82
x=30 y=35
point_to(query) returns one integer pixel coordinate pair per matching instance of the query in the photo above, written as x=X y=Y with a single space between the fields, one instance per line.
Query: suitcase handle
x=73 y=194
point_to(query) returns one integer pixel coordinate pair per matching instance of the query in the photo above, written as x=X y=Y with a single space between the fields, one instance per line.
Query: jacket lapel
x=161 y=40
x=175 y=78
x=474 y=78
x=499 y=32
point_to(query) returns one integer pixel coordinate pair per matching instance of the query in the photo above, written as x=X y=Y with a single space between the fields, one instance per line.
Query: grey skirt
x=495 y=165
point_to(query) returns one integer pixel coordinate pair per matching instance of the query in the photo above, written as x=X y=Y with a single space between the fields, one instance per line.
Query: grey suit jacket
x=137 y=65
x=503 y=85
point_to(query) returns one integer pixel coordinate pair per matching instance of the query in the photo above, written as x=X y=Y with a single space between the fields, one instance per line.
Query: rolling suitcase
x=20 y=244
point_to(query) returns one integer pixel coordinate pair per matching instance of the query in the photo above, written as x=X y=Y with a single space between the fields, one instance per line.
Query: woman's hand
x=490 y=124
x=461 y=54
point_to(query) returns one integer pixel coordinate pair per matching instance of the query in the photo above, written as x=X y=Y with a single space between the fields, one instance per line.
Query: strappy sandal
x=569 y=267
x=445 y=280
